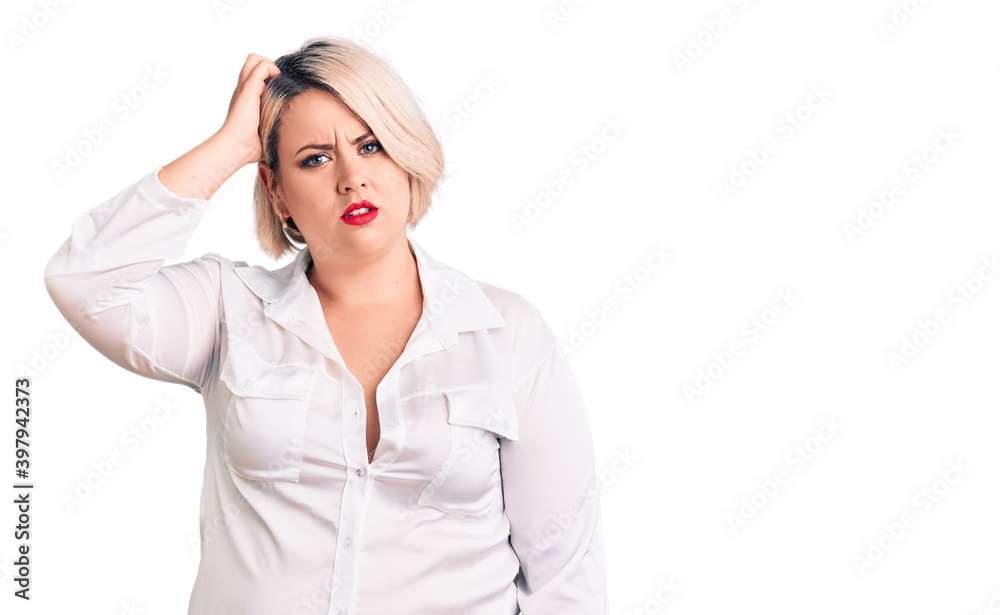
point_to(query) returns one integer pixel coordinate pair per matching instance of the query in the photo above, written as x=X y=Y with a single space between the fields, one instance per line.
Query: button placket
x=356 y=493
x=360 y=482
x=355 y=501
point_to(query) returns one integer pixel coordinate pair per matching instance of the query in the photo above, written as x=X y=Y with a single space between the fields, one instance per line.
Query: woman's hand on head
x=243 y=118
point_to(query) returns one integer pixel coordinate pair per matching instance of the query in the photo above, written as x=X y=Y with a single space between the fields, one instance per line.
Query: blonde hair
x=372 y=90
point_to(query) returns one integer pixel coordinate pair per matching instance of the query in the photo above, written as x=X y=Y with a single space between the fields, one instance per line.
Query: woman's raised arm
x=108 y=278
x=202 y=171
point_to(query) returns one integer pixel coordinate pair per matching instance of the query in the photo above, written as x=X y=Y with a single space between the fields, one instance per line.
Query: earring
x=288 y=223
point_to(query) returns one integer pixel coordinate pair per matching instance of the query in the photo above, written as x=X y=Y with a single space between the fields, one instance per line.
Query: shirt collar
x=453 y=301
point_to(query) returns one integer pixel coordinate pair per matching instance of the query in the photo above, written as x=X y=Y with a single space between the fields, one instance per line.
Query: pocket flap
x=247 y=375
x=487 y=406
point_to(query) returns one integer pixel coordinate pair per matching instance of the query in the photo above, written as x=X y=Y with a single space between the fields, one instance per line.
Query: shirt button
x=362 y=472
x=394 y=423
x=347 y=542
x=341 y=612
x=246 y=385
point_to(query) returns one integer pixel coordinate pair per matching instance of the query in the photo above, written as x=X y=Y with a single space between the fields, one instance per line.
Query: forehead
x=318 y=115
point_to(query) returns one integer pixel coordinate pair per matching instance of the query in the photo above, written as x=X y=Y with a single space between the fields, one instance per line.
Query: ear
x=277 y=204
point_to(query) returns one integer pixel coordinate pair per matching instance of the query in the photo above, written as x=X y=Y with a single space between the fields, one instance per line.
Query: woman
x=385 y=434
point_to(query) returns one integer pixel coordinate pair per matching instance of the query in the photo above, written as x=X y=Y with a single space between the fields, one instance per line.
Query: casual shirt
x=485 y=462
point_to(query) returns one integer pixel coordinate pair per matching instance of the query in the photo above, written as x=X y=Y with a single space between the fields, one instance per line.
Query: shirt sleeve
x=550 y=494
x=108 y=280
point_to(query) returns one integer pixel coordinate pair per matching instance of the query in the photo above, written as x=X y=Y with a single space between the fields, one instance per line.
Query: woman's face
x=328 y=160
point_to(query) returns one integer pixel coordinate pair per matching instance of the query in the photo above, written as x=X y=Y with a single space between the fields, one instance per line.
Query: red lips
x=359 y=219
x=354 y=206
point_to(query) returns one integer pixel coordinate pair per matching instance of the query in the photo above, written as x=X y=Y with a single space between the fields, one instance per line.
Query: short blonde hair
x=372 y=90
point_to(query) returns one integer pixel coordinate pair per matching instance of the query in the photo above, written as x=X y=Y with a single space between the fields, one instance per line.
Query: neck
x=352 y=280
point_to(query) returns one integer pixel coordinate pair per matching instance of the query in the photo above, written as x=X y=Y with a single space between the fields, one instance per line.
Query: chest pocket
x=266 y=418
x=469 y=481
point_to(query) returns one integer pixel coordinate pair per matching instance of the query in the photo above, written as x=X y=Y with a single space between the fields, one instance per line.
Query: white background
x=696 y=462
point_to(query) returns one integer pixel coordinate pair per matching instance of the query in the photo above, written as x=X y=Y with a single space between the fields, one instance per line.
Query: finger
x=252 y=60
x=272 y=71
x=262 y=71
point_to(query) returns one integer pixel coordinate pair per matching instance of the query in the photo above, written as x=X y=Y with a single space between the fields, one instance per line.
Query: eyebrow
x=327 y=146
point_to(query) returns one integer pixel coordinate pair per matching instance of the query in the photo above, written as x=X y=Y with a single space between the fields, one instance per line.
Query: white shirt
x=485 y=461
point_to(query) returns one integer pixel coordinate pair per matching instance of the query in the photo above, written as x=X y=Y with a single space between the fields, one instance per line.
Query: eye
x=375 y=145
x=306 y=163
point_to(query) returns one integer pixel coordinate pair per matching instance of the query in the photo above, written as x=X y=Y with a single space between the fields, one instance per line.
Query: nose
x=350 y=175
